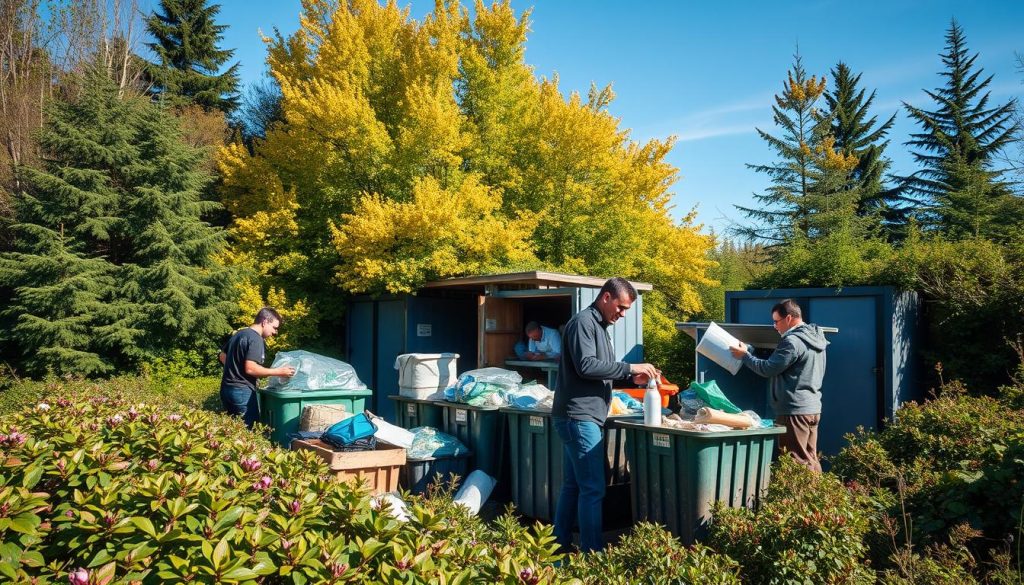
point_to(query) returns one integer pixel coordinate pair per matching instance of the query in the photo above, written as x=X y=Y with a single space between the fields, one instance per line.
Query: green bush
x=951 y=464
x=651 y=555
x=810 y=529
x=99 y=487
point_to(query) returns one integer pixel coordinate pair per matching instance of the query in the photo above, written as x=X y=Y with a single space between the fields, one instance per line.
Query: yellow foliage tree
x=411 y=151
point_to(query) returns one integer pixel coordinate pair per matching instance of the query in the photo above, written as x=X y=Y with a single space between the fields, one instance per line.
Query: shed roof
x=535 y=278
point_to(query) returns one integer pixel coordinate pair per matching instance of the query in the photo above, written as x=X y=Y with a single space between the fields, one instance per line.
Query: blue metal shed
x=871 y=365
x=479 y=317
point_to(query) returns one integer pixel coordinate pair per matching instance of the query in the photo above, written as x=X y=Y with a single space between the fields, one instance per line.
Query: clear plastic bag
x=485 y=387
x=430 y=442
x=314 y=372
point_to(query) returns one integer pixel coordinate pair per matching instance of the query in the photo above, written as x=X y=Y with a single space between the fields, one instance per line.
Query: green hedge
x=102 y=487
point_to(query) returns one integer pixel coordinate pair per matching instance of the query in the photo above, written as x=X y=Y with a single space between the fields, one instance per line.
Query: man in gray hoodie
x=795 y=371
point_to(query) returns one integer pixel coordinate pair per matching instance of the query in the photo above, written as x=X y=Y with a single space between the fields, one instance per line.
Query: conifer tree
x=958 y=188
x=856 y=134
x=59 y=304
x=785 y=207
x=188 y=58
x=126 y=191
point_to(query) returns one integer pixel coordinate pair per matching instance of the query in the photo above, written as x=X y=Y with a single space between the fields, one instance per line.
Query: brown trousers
x=801 y=438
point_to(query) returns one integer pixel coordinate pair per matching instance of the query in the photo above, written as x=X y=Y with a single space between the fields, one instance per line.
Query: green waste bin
x=282 y=409
x=677 y=475
x=537 y=463
x=415 y=412
x=480 y=429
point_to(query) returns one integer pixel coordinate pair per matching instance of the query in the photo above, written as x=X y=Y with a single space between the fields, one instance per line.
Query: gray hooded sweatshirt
x=795 y=370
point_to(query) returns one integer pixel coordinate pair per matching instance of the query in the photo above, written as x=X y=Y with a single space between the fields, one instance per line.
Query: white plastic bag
x=392 y=434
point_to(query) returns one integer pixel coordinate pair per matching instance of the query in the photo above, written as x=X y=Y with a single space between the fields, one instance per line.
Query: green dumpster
x=281 y=409
x=676 y=475
x=537 y=463
x=416 y=412
x=480 y=429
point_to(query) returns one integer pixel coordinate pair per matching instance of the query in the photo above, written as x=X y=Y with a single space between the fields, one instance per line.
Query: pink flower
x=13 y=439
x=174 y=417
x=250 y=464
x=296 y=506
x=115 y=420
x=152 y=464
x=79 y=576
x=263 y=483
x=286 y=544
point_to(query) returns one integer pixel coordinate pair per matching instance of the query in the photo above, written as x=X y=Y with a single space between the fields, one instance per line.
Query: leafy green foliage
x=810 y=529
x=650 y=555
x=946 y=459
x=160 y=494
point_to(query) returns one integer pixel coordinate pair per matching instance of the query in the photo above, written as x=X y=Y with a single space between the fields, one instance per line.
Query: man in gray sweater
x=795 y=371
x=586 y=370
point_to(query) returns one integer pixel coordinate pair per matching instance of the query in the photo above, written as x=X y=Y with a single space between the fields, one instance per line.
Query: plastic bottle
x=652 y=404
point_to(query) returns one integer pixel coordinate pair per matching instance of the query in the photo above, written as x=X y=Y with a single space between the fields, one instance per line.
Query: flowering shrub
x=810 y=529
x=97 y=489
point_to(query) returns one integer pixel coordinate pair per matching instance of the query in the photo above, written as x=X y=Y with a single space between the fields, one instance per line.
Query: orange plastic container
x=665 y=388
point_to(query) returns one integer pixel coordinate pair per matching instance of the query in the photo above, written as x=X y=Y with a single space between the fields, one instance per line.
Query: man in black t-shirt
x=243 y=357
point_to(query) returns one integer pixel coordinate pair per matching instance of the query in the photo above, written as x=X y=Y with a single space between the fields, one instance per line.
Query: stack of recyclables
x=314 y=372
x=484 y=387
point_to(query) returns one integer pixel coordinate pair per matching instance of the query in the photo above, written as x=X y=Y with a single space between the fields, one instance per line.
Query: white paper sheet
x=715 y=346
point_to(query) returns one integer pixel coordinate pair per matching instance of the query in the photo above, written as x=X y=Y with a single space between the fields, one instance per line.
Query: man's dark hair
x=788 y=307
x=618 y=286
x=265 y=314
x=532 y=326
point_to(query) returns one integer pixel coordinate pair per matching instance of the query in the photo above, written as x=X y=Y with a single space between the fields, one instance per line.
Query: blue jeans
x=240 y=401
x=584 y=484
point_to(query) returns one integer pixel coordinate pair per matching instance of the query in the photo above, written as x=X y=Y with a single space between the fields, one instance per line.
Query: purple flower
x=295 y=506
x=79 y=576
x=263 y=483
x=115 y=420
x=13 y=439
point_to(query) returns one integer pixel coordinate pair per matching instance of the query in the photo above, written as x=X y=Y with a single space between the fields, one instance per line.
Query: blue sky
x=707 y=72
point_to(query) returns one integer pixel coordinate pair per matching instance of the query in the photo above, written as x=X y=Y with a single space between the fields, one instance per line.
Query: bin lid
x=762 y=336
x=706 y=435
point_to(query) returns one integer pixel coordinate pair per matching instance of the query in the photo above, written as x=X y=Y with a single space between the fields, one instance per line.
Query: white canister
x=652 y=405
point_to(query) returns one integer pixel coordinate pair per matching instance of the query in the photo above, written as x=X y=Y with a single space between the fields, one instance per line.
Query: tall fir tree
x=858 y=135
x=784 y=207
x=60 y=299
x=126 y=191
x=188 y=58
x=958 y=190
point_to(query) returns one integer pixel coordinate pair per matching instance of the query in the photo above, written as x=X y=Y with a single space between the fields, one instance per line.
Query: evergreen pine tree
x=119 y=176
x=856 y=134
x=59 y=301
x=188 y=59
x=958 y=189
x=785 y=207
x=184 y=297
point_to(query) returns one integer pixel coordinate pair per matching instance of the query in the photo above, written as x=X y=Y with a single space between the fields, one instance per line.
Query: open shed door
x=500 y=326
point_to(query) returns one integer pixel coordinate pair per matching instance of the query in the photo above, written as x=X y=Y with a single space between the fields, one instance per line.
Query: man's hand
x=739 y=351
x=535 y=356
x=642 y=373
x=284 y=371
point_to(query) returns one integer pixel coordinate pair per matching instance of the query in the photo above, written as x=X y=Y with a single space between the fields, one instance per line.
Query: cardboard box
x=378 y=468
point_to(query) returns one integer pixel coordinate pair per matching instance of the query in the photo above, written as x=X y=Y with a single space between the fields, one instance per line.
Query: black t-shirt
x=245 y=345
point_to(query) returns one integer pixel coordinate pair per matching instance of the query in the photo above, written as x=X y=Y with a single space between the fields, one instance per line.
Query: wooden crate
x=378 y=468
